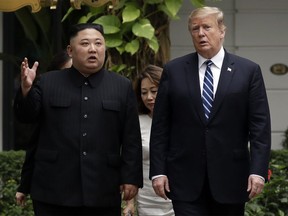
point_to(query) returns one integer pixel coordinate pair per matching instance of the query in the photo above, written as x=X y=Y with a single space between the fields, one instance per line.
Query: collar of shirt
x=93 y=80
x=217 y=59
x=215 y=68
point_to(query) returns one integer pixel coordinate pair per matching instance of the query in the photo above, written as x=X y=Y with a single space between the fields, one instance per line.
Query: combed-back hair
x=207 y=11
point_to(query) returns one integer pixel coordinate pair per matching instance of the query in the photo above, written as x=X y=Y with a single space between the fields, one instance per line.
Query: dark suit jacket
x=186 y=148
x=89 y=137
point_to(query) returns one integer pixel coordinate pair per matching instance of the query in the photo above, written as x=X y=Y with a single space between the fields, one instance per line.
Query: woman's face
x=148 y=93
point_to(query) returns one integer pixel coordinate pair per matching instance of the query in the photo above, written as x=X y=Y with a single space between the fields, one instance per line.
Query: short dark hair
x=81 y=26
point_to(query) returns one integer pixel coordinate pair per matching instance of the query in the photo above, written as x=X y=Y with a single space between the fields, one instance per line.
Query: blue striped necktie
x=207 y=94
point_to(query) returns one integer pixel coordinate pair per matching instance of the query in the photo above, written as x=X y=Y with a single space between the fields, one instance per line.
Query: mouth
x=203 y=42
x=92 y=59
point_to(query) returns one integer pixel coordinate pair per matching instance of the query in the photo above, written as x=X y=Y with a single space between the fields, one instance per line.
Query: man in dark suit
x=214 y=150
x=89 y=147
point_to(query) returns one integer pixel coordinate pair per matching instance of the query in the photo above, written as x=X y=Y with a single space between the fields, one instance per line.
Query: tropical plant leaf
x=110 y=23
x=164 y=9
x=130 y=13
x=153 y=44
x=70 y=10
x=132 y=47
x=113 y=40
x=173 y=6
x=121 y=49
x=85 y=18
x=143 y=28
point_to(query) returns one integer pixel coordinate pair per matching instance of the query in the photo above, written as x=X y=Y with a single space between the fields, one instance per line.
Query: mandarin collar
x=93 y=80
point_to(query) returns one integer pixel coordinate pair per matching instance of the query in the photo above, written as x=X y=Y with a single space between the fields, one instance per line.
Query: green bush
x=10 y=170
x=273 y=201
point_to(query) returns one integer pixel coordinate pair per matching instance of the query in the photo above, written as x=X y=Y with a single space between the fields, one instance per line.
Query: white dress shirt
x=215 y=68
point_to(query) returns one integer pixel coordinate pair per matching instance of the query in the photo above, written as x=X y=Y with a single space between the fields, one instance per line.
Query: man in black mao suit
x=89 y=147
x=210 y=165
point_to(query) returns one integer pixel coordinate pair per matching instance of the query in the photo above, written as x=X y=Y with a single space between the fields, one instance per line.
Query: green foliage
x=10 y=166
x=136 y=32
x=273 y=201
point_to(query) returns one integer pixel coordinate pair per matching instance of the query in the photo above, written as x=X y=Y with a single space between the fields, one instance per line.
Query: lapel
x=192 y=79
x=227 y=72
x=192 y=75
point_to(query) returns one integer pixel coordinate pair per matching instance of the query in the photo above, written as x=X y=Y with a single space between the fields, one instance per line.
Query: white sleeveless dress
x=148 y=203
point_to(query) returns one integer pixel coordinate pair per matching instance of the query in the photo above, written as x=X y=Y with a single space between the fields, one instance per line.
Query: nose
x=201 y=32
x=150 y=96
x=92 y=47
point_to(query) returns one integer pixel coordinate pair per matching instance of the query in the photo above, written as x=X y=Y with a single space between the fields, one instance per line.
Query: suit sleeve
x=159 y=139
x=27 y=109
x=259 y=126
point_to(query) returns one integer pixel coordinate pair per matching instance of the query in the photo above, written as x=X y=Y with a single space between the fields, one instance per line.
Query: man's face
x=206 y=35
x=87 y=50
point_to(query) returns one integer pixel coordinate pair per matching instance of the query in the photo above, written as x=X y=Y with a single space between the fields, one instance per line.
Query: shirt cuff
x=258 y=176
x=157 y=176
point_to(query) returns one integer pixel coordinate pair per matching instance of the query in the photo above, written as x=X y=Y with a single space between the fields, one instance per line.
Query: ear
x=69 y=51
x=222 y=34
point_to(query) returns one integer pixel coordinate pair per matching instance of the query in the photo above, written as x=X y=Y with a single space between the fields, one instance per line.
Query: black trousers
x=46 y=209
x=205 y=205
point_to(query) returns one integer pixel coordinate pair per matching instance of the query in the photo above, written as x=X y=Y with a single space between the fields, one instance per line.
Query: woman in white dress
x=147 y=202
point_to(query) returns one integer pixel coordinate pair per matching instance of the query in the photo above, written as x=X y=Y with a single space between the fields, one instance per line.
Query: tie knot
x=209 y=62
